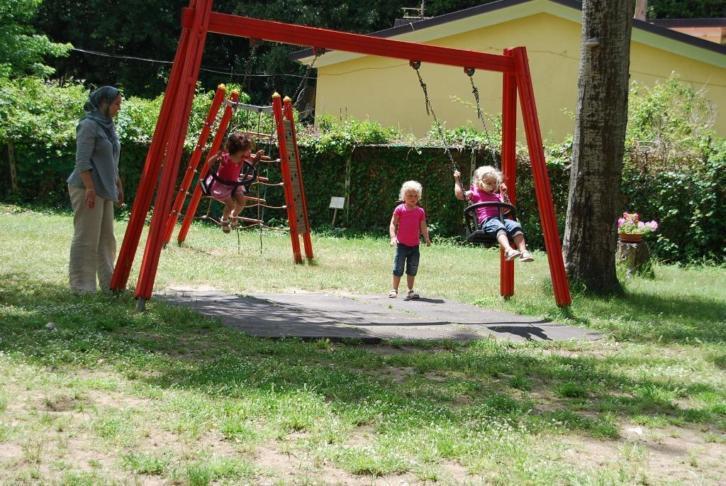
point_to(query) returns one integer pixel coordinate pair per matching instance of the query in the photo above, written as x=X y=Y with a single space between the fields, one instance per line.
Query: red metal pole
x=216 y=144
x=193 y=163
x=509 y=166
x=286 y=178
x=180 y=121
x=152 y=166
x=303 y=35
x=542 y=187
x=307 y=242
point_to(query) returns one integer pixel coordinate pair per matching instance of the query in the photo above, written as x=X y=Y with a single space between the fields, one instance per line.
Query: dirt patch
x=671 y=454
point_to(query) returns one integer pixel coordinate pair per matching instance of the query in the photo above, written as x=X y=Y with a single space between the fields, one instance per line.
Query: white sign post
x=335 y=204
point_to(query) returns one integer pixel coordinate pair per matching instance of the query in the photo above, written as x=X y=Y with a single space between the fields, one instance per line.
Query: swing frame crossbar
x=163 y=158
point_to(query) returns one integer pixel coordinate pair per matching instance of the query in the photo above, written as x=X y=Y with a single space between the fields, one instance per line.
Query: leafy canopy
x=22 y=51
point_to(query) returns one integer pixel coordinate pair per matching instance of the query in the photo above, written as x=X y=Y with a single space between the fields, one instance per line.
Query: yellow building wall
x=388 y=91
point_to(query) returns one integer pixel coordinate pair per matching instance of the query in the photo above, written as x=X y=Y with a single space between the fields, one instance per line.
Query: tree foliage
x=150 y=29
x=686 y=9
x=22 y=50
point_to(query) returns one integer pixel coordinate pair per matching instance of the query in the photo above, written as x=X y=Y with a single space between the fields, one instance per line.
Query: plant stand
x=635 y=258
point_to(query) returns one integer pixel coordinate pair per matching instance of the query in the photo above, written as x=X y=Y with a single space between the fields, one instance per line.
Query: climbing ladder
x=290 y=168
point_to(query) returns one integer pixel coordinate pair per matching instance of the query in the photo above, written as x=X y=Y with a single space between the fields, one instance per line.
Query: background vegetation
x=131 y=30
x=674 y=167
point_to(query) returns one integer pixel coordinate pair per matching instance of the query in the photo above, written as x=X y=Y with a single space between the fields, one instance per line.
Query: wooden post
x=152 y=166
x=299 y=188
x=179 y=121
x=193 y=163
x=14 y=187
x=285 y=159
x=509 y=167
x=216 y=144
x=543 y=191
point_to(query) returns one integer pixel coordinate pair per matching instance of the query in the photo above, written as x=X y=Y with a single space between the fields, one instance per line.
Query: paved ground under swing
x=371 y=318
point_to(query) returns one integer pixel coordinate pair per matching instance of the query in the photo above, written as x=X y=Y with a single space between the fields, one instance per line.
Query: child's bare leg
x=238 y=204
x=396 y=282
x=409 y=281
x=503 y=240
x=519 y=241
x=228 y=207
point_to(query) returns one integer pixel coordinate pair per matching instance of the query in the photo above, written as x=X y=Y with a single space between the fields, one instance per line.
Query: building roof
x=461 y=20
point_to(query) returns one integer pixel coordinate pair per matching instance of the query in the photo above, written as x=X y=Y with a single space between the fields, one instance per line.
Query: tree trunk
x=14 y=188
x=598 y=147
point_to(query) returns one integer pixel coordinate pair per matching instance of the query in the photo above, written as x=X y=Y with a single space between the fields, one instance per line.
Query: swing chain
x=430 y=111
x=300 y=90
x=479 y=114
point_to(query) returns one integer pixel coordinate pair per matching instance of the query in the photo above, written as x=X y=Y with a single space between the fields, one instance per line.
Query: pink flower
x=621 y=221
x=652 y=225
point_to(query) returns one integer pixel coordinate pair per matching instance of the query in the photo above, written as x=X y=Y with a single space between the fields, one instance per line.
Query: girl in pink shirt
x=407 y=224
x=488 y=186
x=235 y=173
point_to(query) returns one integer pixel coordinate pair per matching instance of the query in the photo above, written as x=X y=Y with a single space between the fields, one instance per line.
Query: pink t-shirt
x=476 y=195
x=228 y=169
x=409 y=224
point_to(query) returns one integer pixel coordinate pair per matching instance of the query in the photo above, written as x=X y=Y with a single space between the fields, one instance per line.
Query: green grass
x=112 y=395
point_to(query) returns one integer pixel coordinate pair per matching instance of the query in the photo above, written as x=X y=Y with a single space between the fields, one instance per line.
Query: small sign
x=337 y=202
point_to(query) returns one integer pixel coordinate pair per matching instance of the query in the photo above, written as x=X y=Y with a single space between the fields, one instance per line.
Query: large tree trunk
x=598 y=147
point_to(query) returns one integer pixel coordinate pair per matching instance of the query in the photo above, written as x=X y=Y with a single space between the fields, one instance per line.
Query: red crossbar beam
x=316 y=37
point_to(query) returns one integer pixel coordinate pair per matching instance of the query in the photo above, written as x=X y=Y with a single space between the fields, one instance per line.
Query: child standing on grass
x=487 y=186
x=407 y=224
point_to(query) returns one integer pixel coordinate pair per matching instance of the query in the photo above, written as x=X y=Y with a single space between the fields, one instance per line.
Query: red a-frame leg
x=542 y=187
x=216 y=144
x=509 y=167
x=193 y=163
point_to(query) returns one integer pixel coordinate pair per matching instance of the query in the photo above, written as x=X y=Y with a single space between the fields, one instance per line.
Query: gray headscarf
x=92 y=107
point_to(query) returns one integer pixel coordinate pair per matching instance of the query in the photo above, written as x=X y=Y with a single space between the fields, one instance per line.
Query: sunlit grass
x=110 y=395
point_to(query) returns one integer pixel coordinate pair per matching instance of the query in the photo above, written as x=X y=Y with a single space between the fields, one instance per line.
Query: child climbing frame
x=164 y=153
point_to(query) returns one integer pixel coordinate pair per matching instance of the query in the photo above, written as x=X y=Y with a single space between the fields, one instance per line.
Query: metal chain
x=300 y=90
x=480 y=115
x=430 y=111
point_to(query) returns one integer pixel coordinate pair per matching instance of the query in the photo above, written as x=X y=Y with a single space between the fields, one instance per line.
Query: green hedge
x=678 y=181
x=688 y=205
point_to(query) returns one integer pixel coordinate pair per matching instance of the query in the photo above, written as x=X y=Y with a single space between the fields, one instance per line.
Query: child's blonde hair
x=485 y=172
x=410 y=186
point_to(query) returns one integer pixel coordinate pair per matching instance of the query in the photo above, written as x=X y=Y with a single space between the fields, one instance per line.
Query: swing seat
x=476 y=236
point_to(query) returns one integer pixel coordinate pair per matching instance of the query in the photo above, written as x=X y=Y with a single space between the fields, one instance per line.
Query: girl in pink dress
x=235 y=173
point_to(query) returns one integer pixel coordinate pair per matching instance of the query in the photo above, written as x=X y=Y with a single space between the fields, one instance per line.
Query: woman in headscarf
x=94 y=187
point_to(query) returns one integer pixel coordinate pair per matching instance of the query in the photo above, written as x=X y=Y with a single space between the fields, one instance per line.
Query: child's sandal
x=526 y=257
x=225 y=226
x=511 y=254
x=393 y=293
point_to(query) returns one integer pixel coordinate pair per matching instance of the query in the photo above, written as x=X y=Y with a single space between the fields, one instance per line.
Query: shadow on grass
x=172 y=347
x=648 y=317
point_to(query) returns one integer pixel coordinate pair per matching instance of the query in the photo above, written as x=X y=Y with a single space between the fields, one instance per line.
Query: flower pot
x=630 y=238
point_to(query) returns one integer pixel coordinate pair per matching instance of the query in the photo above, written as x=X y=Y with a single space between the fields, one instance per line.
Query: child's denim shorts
x=492 y=226
x=408 y=255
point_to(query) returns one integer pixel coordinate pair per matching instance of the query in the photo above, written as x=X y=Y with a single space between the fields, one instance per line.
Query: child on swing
x=234 y=175
x=407 y=224
x=487 y=186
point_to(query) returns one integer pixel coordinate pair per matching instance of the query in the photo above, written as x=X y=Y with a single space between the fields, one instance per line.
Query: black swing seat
x=473 y=233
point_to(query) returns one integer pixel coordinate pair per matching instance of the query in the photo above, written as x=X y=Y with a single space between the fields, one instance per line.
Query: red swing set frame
x=165 y=151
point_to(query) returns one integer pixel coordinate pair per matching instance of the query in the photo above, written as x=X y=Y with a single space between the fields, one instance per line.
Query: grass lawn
x=93 y=392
